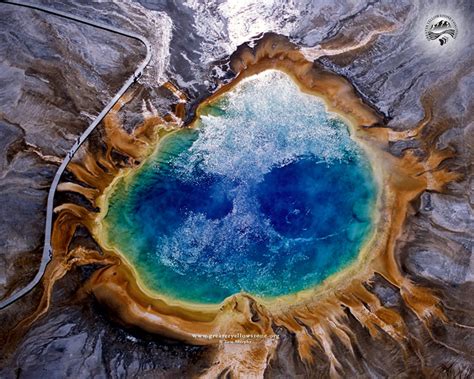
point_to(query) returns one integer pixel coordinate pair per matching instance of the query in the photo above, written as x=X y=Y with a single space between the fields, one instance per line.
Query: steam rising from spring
x=242 y=147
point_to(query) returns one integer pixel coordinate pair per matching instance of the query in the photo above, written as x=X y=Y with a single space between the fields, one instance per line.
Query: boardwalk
x=47 y=250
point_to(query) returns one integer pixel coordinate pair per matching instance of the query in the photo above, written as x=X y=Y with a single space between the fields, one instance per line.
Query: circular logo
x=441 y=28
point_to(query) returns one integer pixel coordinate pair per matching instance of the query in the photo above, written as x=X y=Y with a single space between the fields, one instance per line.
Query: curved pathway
x=47 y=250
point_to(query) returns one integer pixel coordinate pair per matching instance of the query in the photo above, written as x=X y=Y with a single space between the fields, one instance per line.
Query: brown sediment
x=317 y=316
x=343 y=44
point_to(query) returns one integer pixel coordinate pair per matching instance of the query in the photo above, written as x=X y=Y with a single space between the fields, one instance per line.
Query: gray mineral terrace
x=47 y=251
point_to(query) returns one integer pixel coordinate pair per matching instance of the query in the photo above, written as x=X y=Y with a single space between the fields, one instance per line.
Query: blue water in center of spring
x=267 y=194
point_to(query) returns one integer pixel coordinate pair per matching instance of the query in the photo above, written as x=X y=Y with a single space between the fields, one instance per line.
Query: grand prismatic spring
x=265 y=194
x=283 y=192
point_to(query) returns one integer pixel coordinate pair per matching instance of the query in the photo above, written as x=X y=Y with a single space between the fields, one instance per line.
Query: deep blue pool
x=267 y=194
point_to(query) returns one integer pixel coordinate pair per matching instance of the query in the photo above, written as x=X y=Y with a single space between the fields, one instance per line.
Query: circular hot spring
x=266 y=194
